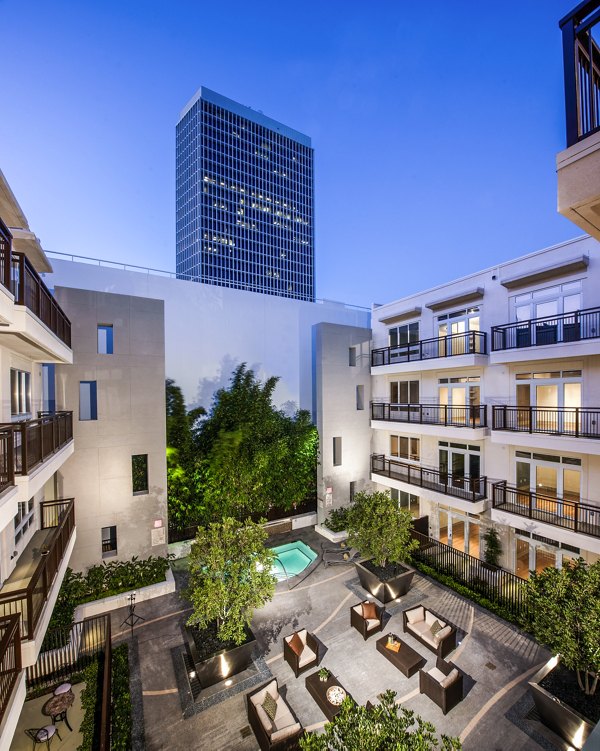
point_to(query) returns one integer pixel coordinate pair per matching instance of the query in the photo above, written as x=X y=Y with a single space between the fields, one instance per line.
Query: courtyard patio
x=495 y=658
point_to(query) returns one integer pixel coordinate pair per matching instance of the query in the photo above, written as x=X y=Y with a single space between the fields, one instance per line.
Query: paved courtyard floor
x=497 y=659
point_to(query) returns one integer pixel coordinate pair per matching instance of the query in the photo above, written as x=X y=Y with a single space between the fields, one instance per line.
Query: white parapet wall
x=304 y=520
x=97 y=607
x=332 y=536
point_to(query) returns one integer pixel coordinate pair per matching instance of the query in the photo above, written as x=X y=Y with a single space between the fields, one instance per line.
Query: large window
x=405 y=447
x=550 y=391
x=406 y=500
x=139 y=473
x=20 y=392
x=549 y=301
x=459 y=321
x=88 y=404
x=23 y=519
x=408 y=333
x=404 y=392
x=552 y=478
x=459 y=460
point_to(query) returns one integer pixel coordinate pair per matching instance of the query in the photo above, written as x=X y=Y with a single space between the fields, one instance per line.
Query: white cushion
x=450 y=678
x=436 y=674
x=283 y=715
x=260 y=696
x=442 y=634
x=430 y=618
x=307 y=656
x=416 y=614
x=280 y=735
x=372 y=623
x=358 y=608
x=302 y=634
x=264 y=718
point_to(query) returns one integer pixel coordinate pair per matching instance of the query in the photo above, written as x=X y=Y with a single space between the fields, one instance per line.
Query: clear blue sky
x=435 y=125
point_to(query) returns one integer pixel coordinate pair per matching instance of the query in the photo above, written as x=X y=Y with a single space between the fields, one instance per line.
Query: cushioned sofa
x=278 y=734
x=431 y=629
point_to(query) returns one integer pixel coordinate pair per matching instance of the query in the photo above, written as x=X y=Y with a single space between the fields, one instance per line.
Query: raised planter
x=329 y=535
x=222 y=664
x=385 y=590
x=555 y=714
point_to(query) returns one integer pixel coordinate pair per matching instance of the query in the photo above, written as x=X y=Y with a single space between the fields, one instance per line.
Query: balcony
x=34 y=441
x=454 y=345
x=458 y=486
x=572 y=515
x=10 y=660
x=431 y=414
x=7 y=462
x=27 y=590
x=578 y=166
x=577 y=422
x=567 y=328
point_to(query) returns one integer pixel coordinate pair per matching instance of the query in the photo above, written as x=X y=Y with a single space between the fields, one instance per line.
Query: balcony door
x=457 y=462
x=557 y=487
x=451 y=325
x=463 y=397
x=556 y=396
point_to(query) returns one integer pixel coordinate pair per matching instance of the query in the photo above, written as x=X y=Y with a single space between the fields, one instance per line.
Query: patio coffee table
x=318 y=690
x=406 y=659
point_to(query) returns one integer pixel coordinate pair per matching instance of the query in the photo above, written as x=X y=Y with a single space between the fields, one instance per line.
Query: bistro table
x=58 y=706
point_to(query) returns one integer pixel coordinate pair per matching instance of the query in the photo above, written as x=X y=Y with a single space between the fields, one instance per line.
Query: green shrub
x=337 y=519
x=89 y=699
x=121 y=700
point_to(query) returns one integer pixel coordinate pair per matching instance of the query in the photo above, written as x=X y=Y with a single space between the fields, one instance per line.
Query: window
x=549 y=301
x=20 y=392
x=48 y=387
x=406 y=334
x=405 y=448
x=23 y=519
x=105 y=339
x=109 y=541
x=88 y=409
x=352 y=357
x=409 y=502
x=404 y=392
x=352 y=491
x=360 y=397
x=337 y=451
x=139 y=473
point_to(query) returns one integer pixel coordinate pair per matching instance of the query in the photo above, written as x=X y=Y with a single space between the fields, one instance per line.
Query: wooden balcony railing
x=431 y=414
x=568 y=327
x=577 y=516
x=29 y=601
x=581 y=60
x=33 y=441
x=468 y=343
x=10 y=659
x=577 y=422
x=459 y=486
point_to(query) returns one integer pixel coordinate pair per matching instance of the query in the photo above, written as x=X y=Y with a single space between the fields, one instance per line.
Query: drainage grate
x=490 y=666
x=246 y=731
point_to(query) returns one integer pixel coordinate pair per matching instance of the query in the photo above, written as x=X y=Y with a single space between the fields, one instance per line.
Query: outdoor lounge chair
x=340 y=556
x=364 y=624
x=443 y=684
x=278 y=734
x=301 y=657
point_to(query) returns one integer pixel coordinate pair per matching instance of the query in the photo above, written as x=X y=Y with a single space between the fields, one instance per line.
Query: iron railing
x=581 y=517
x=467 y=343
x=494 y=583
x=567 y=327
x=10 y=659
x=578 y=422
x=431 y=414
x=459 y=486
x=581 y=61
x=29 y=601
x=33 y=441
x=7 y=462
x=5 y=254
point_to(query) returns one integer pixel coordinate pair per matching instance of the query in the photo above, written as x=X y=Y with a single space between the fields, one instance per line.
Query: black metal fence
x=474 y=416
x=467 y=343
x=537 y=332
x=579 y=422
x=495 y=584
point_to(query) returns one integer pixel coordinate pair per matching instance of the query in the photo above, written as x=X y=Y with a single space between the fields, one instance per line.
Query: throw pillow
x=296 y=644
x=435 y=627
x=416 y=614
x=442 y=634
x=369 y=611
x=270 y=706
x=346 y=556
x=449 y=679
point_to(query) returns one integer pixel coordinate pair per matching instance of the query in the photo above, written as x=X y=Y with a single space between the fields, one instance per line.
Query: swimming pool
x=292 y=559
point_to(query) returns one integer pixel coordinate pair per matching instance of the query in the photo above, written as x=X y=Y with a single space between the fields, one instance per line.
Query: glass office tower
x=244 y=199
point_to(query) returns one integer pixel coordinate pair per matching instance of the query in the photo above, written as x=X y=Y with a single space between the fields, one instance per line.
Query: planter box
x=555 y=714
x=331 y=536
x=385 y=591
x=222 y=664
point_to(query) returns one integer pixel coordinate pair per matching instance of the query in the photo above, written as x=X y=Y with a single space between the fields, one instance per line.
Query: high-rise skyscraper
x=244 y=199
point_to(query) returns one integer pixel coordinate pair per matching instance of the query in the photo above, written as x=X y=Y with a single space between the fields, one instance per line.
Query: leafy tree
x=379 y=528
x=564 y=612
x=382 y=727
x=230 y=576
x=181 y=424
x=493 y=547
x=253 y=456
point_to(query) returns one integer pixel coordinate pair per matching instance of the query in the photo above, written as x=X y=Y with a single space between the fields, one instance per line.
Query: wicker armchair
x=307 y=659
x=282 y=734
x=367 y=627
x=431 y=683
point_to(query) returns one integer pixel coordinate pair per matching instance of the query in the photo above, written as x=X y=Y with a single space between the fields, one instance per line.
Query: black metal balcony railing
x=581 y=59
x=459 y=486
x=18 y=276
x=29 y=601
x=578 y=422
x=568 y=327
x=33 y=441
x=10 y=659
x=468 y=343
x=7 y=462
x=577 y=516
x=431 y=414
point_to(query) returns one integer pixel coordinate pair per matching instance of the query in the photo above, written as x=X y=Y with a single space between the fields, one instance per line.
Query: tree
x=382 y=727
x=181 y=423
x=230 y=575
x=380 y=529
x=564 y=612
x=493 y=547
x=253 y=456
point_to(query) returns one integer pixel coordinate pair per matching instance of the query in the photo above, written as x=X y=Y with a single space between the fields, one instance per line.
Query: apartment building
x=484 y=408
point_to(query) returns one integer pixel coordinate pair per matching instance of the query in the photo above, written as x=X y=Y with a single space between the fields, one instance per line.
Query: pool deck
x=497 y=660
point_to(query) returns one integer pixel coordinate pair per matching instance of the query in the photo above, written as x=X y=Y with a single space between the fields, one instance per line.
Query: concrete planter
x=385 y=591
x=555 y=714
x=223 y=664
x=336 y=537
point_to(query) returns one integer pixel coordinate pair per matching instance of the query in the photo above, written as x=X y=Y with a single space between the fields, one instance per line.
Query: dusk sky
x=435 y=126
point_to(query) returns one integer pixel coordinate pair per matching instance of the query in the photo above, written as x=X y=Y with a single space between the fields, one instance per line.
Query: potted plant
x=333 y=527
x=564 y=612
x=381 y=531
x=324 y=674
x=493 y=548
x=230 y=575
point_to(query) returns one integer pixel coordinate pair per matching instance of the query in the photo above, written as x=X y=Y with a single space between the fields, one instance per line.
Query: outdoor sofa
x=418 y=622
x=280 y=734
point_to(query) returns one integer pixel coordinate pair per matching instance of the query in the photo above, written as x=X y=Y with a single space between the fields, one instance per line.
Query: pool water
x=292 y=559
